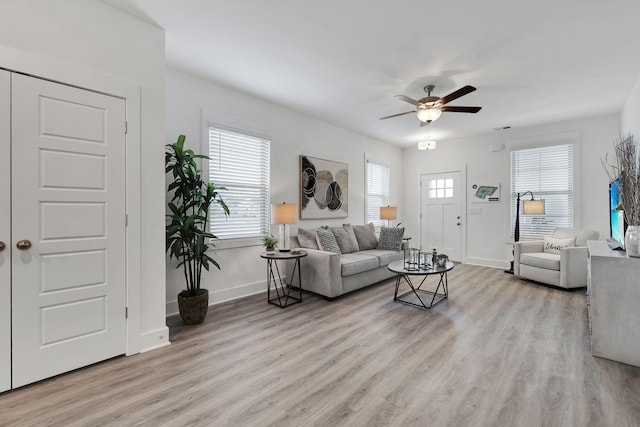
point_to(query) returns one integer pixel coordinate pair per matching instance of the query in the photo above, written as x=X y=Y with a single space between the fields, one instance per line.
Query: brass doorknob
x=23 y=244
x=2 y=246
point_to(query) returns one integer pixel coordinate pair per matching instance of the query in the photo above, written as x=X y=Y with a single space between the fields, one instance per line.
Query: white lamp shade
x=284 y=213
x=533 y=207
x=388 y=212
x=428 y=114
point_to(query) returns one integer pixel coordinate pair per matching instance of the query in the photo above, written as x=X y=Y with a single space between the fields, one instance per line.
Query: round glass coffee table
x=436 y=296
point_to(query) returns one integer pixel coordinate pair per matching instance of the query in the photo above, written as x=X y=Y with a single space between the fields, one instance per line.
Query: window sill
x=237 y=243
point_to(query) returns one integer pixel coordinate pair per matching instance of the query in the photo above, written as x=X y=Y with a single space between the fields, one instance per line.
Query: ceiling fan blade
x=457 y=94
x=396 y=115
x=461 y=109
x=409 y=100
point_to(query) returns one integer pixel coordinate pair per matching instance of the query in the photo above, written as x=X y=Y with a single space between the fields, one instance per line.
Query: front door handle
x=458 y=223
x=23 y=244
x=2 y=246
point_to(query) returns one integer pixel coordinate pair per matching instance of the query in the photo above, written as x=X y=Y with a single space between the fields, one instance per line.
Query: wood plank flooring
x=498 y=352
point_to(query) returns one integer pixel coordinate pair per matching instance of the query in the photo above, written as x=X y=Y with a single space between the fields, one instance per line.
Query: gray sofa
x=332 y=274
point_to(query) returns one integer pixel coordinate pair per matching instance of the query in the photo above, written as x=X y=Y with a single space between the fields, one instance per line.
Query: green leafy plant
x=270 y=241
x=187 y=238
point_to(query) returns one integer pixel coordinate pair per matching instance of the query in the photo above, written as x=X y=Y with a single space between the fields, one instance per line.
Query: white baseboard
x=224 y=295
x=489 y=262
x=154 y=339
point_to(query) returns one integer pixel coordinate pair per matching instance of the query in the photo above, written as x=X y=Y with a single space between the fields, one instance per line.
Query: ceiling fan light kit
x=430 y=107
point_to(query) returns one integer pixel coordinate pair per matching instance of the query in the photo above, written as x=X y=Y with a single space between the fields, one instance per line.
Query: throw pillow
x=346 y=239
x=366 y=236
x=391 y=238
x=307 y=239
x=327 y=241
x=552 y=245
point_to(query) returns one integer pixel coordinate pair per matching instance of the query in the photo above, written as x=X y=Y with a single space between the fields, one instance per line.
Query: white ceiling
x=343 y=61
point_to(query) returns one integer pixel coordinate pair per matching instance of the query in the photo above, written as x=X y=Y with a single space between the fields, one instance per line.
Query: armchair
x=567 y=269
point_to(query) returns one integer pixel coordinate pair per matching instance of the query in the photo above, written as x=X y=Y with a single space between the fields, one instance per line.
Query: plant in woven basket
x=187 y=238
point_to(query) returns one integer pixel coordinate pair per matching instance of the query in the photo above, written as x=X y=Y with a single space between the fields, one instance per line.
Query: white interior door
x=5 y=231
x=441 y=213
x=68 y=200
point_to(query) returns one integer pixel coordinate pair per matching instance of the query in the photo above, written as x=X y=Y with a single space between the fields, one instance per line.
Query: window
x=240 y=163
x=548 y=173
x=441 y=188
x=377 y=191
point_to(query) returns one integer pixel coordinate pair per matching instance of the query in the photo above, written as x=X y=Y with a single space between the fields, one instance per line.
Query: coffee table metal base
x=435 y=296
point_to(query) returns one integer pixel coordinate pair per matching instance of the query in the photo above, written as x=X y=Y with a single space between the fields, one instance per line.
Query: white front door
x=441 y=213
x=5 y=231
x=68 y=202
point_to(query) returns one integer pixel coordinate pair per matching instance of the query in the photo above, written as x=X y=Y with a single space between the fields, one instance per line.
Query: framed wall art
x=324 y=188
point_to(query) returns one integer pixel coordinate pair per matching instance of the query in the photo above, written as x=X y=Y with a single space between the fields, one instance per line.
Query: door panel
x=441 y=212
x=68 y=200
x=5 y=231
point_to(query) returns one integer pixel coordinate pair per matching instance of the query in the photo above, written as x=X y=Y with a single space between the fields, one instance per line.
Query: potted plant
x=270 y=243
x=186 y=232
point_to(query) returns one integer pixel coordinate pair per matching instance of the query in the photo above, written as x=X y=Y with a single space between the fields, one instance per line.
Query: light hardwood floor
x=498 y=352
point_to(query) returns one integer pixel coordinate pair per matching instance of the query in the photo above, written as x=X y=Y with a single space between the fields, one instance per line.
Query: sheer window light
x=377 y=191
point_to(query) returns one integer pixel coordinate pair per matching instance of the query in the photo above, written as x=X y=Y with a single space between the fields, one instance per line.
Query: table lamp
x=388 y=213
x=284 y=214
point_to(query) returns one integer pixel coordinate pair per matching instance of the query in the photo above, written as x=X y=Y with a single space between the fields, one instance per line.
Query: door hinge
x=126 y=312
x=126 y=126
x=126 y=220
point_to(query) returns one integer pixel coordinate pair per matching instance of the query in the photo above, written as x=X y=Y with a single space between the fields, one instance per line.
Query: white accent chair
x=566 y=270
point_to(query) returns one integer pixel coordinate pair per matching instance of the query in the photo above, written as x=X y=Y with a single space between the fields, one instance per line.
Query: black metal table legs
x=436 y=296
x=283 y=298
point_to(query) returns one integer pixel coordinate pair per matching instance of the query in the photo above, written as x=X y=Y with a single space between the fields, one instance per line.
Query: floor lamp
x=388 y=213
x=283 y=215
x=529 y=207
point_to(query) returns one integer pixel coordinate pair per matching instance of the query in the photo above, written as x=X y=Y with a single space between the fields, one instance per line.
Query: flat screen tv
x=617 y=224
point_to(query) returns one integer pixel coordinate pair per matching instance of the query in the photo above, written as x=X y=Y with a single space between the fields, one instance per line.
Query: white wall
x=292 y=134
x=488 y=231
x=631 y=112
x=89 y=43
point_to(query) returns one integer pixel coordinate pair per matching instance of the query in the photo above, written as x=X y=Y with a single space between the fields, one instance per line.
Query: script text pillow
x=552 y=245
x=327 y=241
x=391 y=238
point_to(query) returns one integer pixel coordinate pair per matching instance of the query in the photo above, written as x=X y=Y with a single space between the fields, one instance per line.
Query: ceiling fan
x=430 y=107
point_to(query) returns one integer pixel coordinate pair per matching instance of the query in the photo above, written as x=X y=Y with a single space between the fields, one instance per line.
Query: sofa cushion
x=327 y=241
x=541 y=260
x=384 y=257
x=346 y=239
x=307 y=238
x=357 y=262
x=391 y=238
x=366 y=236
x=552 y=245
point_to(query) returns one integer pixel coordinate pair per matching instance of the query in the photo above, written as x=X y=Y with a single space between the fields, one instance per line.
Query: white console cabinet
x=613 y=303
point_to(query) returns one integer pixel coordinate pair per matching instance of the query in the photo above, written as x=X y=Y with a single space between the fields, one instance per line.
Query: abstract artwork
x=324 y=186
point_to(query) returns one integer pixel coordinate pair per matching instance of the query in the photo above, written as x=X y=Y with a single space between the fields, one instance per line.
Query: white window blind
x=241 y=164
x=377 y=191
x=548 y=173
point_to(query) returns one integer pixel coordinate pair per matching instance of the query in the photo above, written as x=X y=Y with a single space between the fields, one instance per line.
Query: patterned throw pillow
x=391 y=238
x=327 y=241
x=552 y=245
x=366 y=236
x=307 y=239
x=346 y=239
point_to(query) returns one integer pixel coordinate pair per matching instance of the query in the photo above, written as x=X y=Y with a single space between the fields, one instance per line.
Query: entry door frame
x=463 y=207
x=62 y=72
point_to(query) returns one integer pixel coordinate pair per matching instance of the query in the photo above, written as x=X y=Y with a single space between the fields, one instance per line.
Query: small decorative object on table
x=270 y=243
x=442 y=260
x=412 y=259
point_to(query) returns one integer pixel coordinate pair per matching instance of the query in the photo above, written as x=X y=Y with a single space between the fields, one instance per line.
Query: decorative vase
x=193 y=308
x=632 y=241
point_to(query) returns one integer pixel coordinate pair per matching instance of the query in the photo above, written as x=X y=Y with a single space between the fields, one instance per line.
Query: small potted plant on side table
x=270 y=243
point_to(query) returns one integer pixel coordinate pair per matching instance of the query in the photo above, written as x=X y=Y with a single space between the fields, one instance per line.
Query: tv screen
x=617 y=223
